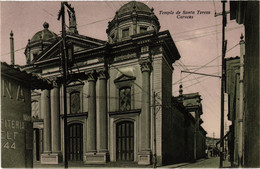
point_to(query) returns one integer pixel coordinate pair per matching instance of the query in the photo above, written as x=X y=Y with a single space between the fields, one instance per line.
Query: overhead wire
x=109 y=6
x=198 y=29
x=211 y=110
x=94 y=23
x=207 y=63
x=216 y=33
x=185 y=68
x=207 y=34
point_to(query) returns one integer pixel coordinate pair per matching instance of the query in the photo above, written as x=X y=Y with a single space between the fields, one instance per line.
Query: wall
x=16 y=127
x=115 y=71
x=172 y=121
x=201 y=140
x=251 y=83
x=189 y=126
x=156 y=78
x=173 y=136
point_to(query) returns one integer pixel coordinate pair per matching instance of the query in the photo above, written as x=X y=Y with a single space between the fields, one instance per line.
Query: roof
x=133 y=5
x=32 y=81
x=133 y=10
x=191 y=95
x=44 y=34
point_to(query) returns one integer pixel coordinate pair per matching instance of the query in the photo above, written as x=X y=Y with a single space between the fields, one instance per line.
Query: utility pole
x=154 y=120
x=223 y=82
x=241 y=104
x=65 y=70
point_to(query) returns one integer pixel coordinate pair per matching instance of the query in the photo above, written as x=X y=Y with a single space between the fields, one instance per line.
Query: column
x=55 y=120
x=102 y=132
x=91 y=128
x=12 y=47
x=102 y=113
x=45 y=109
x=144 y=156
x=91 y=156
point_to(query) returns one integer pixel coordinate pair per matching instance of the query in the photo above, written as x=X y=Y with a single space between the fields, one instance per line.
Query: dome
x=45 y=34
x=133 y=5
x=132 y=18
x=40 y=41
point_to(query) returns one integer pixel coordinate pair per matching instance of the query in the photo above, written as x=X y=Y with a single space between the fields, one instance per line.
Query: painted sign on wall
x=16 y=126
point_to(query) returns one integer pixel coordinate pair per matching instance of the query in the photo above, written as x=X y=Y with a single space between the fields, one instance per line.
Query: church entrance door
x=125 y=141
x=75 y=142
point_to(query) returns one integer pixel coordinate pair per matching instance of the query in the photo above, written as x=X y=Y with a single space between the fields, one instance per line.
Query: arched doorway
x=75 y=143
x=125 y=141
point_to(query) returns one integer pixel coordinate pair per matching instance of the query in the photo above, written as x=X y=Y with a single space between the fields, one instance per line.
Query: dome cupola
x=39 y=42
x=44 y=34
x=132 y=18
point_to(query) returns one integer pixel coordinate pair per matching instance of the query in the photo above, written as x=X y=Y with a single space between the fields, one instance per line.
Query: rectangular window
x=125 y=99
x=143 y=29
x=112 y=36
x=75 y=102
x=35 y=109
x=125 y=33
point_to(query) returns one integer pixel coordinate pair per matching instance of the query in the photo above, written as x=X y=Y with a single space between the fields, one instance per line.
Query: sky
x=197 y=36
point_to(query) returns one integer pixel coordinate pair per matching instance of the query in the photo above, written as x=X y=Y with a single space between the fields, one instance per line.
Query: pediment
x=123 y=78
x=79 y=43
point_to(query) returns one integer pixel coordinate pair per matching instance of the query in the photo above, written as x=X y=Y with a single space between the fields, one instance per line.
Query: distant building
x=195 y=135
x=233 y=91
x=212 y=146
x=113 y=113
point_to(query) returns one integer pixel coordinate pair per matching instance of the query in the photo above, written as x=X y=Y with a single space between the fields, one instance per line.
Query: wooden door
x=75 y=144
x=125 y=141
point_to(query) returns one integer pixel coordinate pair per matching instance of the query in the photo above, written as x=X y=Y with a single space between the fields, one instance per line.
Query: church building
x=119 y=94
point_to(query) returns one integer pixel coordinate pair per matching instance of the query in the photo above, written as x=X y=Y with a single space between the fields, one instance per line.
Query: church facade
x=119 y=94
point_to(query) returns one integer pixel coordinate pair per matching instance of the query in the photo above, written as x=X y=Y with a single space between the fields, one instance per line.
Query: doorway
x=125 y=141
x=75 y=143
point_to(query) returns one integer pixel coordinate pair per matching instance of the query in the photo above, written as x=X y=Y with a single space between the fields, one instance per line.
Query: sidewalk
x=201 y=163
x=82 y=165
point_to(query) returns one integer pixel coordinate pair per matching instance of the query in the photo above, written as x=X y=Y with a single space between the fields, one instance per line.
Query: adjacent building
x=16 y=124
x=247 y=13
x=119 y=95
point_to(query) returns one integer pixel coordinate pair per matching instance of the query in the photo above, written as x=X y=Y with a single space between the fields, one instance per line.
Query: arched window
x=75 y=102
x=125 y=98
x=35 y=110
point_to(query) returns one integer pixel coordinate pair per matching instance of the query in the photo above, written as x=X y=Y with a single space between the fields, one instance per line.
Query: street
x=202 y=163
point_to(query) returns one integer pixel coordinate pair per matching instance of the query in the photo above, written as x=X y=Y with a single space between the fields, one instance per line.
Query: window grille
x=75 y=102
x=125 y=99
